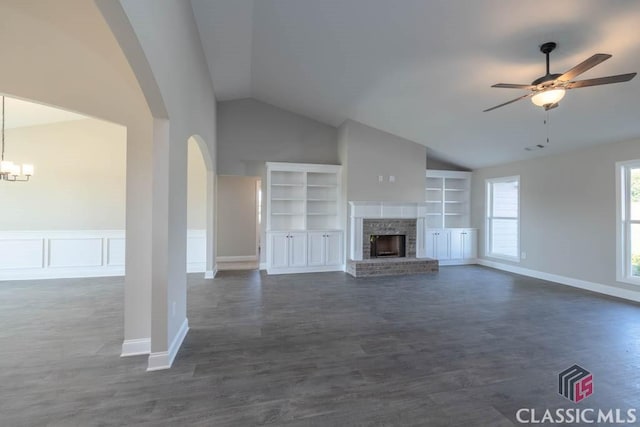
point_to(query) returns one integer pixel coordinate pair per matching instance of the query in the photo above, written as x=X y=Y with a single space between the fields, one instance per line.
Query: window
x=503 y=212
x=628 y=223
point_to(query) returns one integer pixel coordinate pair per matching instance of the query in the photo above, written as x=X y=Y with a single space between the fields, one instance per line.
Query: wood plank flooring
x=467 y=346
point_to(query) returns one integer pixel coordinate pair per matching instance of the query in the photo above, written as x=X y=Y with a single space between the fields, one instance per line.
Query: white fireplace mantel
x=385 y=210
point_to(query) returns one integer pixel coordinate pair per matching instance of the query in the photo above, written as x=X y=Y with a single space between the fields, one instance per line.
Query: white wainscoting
x=196 y=251
x=77 y=253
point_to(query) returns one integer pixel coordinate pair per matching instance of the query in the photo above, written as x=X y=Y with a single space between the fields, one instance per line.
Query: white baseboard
x=196 y=267
x=242 y=258
x=444 y=263
x=210 y=274
x=136 y=347
x=164 y=359
x=564 y=280
x=263 y=266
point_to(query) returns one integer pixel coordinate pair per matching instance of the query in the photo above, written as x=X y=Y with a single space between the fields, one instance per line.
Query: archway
x=200 y=208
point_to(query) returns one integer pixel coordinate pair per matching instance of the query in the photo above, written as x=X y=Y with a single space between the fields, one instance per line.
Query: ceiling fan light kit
x=548 y=97
x=548 y=90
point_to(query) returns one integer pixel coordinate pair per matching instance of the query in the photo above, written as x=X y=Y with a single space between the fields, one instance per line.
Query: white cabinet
x=452 y=246
x=304 y=251
x=279 y=250
x=437 y=242
x=333 y=244
x=316 y=248
x=303 y=218
x=464 y=243
x=324 y=248
x=448 y=197
x=288 y=249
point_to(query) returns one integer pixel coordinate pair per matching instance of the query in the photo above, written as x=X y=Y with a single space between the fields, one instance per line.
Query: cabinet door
x=463 y=243
x=316 y=248
x=279 y=249
x=442 y=245
x=297 y=249
x=432 y=244
x=458 y=243
x=470 y=244
x=333 y=246
x=438 y=244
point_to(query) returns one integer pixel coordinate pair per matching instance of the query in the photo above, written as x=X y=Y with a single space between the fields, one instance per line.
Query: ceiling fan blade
x=513 y=86
x=584 y=66
x=601 y=81
x=509 y=102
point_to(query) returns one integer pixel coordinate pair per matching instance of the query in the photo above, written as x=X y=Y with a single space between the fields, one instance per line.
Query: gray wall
x=237 y=232
x=170 y=42
x=251 y=132
x=568 y=211
x=365 y=153
x=371 y=152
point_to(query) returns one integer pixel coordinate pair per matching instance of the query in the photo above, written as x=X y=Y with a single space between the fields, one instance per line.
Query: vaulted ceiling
x=422 y=69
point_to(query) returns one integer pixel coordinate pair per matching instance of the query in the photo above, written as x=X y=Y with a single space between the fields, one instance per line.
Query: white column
x=356 y=239
x=137 y=282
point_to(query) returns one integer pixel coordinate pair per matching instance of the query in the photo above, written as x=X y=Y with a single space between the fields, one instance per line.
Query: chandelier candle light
x=10 y=171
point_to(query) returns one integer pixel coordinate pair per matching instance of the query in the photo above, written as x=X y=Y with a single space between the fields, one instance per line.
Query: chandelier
x=10 y=171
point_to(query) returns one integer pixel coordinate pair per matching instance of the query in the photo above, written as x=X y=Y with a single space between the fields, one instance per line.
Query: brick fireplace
x=390 y=223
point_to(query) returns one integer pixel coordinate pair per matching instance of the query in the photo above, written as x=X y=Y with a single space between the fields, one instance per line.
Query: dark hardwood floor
x=467 y=346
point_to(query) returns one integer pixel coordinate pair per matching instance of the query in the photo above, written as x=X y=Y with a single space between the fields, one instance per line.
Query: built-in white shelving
x=303 y=204
x=449 y=238
x=447 y=197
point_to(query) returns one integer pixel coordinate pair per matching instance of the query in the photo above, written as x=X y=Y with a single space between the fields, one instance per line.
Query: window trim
x=489 y=217
x=623 y=222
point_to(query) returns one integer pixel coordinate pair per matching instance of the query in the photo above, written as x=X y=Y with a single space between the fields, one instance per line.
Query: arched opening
x=201 y=247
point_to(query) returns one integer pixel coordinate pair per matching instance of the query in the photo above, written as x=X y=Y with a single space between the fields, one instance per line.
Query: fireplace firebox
x=388 y=246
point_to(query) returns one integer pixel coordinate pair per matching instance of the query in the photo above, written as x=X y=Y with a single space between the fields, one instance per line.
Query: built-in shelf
x=302 y=218
x=303 y=196
x=447 y=197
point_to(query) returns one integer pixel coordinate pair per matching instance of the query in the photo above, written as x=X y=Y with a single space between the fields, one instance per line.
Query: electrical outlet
x=523 y=255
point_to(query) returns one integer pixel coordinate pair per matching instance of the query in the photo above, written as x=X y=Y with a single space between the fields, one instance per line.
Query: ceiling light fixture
x=548 y=97
x=10 y=171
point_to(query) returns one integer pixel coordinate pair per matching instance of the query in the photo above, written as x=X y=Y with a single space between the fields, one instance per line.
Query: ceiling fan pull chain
x=546 y=122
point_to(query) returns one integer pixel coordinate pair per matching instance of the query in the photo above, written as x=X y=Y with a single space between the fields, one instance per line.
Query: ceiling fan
x=548 y=90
